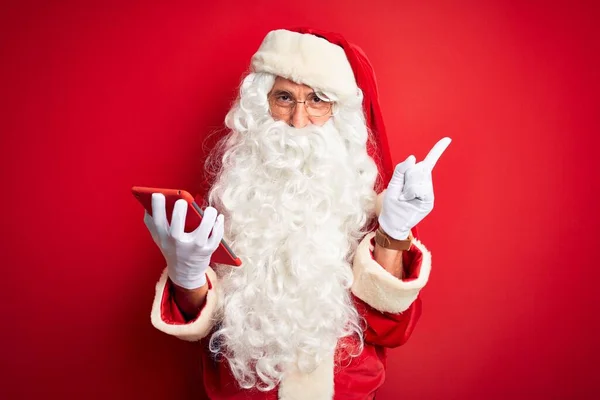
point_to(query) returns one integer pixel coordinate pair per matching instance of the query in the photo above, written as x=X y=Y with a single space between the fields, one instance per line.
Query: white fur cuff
x=307 y=59
x=380 y=289
x=194 y=330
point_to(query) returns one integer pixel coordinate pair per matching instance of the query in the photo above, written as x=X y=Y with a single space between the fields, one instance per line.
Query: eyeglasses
x=282 y=103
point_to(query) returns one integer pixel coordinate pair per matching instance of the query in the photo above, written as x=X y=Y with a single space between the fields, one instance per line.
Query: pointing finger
x=436 y=152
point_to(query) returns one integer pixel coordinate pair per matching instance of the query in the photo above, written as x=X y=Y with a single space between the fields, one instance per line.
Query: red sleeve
x=170 y=312
x=386 y=329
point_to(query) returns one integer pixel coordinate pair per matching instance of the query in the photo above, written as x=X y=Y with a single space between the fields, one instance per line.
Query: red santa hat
x=328 y=62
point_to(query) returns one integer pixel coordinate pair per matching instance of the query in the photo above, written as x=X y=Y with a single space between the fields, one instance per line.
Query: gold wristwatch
x=386 y=241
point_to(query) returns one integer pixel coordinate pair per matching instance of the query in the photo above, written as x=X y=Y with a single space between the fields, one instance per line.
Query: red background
x=97 y=98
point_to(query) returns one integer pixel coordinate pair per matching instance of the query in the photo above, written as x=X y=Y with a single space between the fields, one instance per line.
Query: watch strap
x=386 y=241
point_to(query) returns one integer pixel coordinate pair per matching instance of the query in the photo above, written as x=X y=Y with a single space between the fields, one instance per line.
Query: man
x=319 y=296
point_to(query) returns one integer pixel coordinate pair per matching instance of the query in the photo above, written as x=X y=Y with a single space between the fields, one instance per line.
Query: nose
x=299 y=117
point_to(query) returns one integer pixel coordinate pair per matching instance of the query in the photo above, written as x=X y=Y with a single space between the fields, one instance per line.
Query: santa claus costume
x=310 y=313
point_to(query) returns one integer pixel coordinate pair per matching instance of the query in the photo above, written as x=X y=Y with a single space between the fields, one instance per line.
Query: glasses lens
x=281 y=106
x=318 y=110
x=317 y=107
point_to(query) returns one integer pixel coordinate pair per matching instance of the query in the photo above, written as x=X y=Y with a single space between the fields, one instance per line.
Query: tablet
x=222 y=255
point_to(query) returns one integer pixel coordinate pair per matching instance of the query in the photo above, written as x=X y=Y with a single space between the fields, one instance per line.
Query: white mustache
x=286 y=147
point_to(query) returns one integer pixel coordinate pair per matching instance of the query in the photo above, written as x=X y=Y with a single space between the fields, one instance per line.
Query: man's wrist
x=190 y=301
x=390 y=260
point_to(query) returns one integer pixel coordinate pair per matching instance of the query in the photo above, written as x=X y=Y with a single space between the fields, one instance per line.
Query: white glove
x=409 y=195
x=187 y=254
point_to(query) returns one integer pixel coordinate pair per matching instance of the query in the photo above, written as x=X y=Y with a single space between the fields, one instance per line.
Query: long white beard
x=294 y=213
x=294 y=204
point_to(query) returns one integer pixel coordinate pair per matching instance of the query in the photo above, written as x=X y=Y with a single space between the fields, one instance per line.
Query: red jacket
x=390 y=307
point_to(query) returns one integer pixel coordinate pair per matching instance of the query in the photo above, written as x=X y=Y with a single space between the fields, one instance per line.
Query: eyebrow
x=288 y=92
x=282 y=91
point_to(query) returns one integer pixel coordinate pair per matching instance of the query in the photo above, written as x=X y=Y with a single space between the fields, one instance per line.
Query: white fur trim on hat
x=191 y=331
x=306 y=59
x=380 y=289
